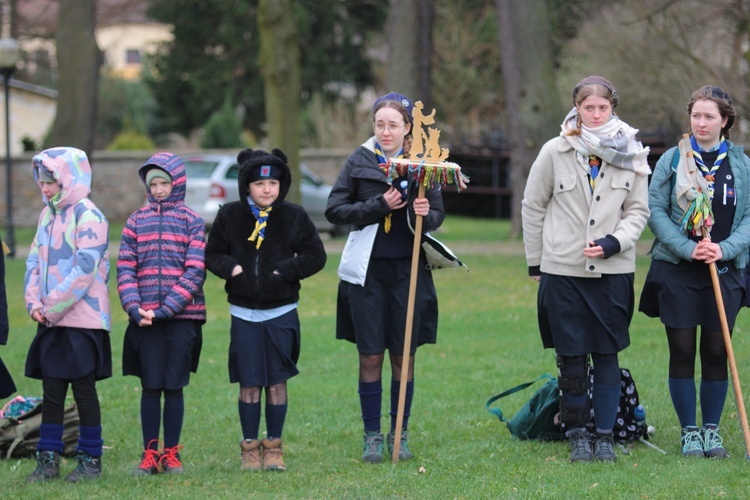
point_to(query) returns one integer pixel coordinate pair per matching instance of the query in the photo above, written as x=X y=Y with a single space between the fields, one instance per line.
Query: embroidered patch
x=265 y=171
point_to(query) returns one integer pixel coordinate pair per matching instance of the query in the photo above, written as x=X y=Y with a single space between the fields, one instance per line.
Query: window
x=133 y=56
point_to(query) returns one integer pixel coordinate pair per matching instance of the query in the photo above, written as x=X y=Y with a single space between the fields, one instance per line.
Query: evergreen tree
x=215 y=52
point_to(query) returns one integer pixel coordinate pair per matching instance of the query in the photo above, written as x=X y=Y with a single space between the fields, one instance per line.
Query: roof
x=38 y=18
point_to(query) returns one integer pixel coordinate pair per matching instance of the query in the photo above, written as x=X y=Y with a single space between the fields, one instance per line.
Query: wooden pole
x=408 y=331
x=730 y=352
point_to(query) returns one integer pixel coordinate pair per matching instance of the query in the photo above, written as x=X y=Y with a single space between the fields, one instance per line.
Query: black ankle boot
x=89 y=467
x=47 y=467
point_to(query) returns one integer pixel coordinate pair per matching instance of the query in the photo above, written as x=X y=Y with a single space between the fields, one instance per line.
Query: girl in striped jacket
x=160 y=275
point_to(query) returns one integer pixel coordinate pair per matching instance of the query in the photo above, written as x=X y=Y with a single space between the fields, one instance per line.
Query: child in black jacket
x=263 y=246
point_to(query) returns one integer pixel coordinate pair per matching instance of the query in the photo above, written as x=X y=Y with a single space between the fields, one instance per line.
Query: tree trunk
x=78 y=59
x=534 y=110
x=425 y=49
x=280 y=67
x=402 y=32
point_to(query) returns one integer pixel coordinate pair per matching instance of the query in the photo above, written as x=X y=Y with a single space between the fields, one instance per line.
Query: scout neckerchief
x=261 y=219
x=383 y=160
x=594 y=163
x=708 y=174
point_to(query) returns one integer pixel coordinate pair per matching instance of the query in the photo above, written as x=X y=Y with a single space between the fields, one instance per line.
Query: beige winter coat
x=561 y=215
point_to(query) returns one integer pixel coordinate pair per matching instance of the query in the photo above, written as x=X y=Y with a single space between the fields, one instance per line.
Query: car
x=212 y=181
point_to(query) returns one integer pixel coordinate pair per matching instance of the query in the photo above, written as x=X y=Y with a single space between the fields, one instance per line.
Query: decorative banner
x=427 y=163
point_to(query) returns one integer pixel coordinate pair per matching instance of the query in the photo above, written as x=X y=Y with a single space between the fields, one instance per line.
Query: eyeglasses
x=393 y=127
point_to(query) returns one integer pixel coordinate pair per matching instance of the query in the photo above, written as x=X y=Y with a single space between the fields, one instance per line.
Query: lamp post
x=9 y=54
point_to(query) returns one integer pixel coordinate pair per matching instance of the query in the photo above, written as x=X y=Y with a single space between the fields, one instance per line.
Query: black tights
x=84 y=392
x=682 y=350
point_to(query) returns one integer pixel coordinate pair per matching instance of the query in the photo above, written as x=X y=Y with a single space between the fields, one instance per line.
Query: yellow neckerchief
x=261 y=220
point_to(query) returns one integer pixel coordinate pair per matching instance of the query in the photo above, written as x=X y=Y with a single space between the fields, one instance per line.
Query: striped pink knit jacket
x=161 y=261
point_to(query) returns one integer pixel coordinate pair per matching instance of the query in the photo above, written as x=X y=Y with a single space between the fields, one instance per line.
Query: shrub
x=129 y=139
x=223 y=130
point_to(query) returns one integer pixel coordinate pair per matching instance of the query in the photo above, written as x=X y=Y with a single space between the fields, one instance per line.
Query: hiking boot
x=47 y=467
x=713 y=442
x=580 y=445
x=692 y=442
x=149 y=463
x=89 y=467
x=373 y=448
x=403 y=449
x=170 y=460
x=272 y=455
x=604 y=448
x=250 y=454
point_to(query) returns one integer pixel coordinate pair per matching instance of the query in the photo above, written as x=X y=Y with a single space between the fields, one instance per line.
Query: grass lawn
x=488 y=342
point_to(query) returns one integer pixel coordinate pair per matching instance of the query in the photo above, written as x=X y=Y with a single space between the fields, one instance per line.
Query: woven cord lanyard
x=383 y=160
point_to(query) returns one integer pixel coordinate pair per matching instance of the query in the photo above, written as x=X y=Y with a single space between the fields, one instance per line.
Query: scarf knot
x=614 y=143
x=594 y=163
x=261 y=220
x=709 y=173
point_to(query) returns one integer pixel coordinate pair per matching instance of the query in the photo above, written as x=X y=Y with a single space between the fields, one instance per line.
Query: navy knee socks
x=370 y=399
x=713 y=396
x=249 y=419
x=395 y=387
x=682 y=391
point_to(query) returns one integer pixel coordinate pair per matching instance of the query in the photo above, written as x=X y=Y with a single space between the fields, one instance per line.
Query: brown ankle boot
x=250 y=455
x=272 y=455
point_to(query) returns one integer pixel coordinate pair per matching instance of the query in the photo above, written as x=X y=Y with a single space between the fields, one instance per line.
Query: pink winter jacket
x=67 y=271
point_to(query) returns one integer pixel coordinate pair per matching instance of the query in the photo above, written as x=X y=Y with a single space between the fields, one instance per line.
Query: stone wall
x=116 y=188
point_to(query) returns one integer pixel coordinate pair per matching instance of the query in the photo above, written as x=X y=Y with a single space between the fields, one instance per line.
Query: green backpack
x=536 y=419
x=21 y=423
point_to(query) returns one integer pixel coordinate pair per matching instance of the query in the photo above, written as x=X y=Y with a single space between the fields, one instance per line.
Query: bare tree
x=533 y=104
x=280 y=66
x=78 y=60
x=424 y=59
x=402 y=33
x=656 y=53
x=466 y=79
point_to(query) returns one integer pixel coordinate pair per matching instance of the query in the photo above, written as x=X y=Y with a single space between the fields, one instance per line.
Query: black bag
x=19 y=435
x=626 y=427
x=538 y=418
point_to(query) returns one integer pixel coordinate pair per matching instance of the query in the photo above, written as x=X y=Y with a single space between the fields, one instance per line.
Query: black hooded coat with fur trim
x=291 y=245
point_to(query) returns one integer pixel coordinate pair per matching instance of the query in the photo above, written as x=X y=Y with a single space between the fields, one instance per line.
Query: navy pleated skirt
x=7 y=386
x=578 y=316
x=682 y=294
x=374 y=316
x=264 y=353
x=69 y=353
x=163 y=354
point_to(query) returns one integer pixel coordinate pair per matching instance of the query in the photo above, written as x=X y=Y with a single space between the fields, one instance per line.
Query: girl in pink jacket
x=67 y=272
